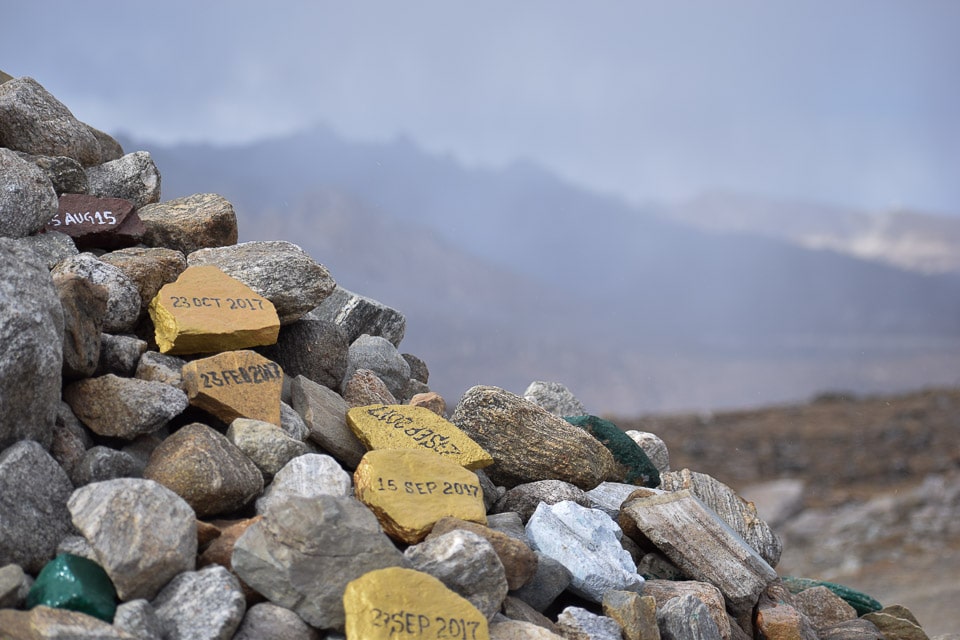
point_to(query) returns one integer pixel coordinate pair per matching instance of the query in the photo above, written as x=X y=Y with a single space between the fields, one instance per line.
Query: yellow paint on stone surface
x=410 y=490
x=403 y=604
x=400 y=426
x=207 y=311
x=235 y=384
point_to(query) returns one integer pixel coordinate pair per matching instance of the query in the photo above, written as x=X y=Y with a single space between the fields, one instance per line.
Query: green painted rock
x=74 y=583
x=625 y=451
x=863 y=603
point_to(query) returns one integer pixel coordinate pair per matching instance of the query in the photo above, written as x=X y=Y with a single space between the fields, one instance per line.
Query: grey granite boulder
x=380 y=356
x=14 y=586
x=119 y=354
x=65 y=174
x=190 y=223
x=550 y=580
x=50 y=247
x=123 y=298
x=133 y=177
x=159 y=367
x=315 y=349
x=304 y=551
x=124 y=407
x=31 y=346
x=655 y=448
x=139 y=619
x=466 y=563
x=201 y=605
x=280 y=271
x=267 y=621
x=358 y=315
x=103 y=463
x=267 y=446
x=143 y=533
x=84 y=305
x=307 y=476
x=555 y=398
x=33 y=505
x=587 y=543
x=576 y=622
x=27 y=199
x=523 y=499
x=686 y=618
x=33 y=121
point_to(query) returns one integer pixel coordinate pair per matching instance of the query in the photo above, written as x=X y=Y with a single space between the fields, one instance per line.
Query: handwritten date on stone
x=87 y=217
x=231 y=304
x=409 y=624
x=424 y=436
x=251 y=374
x=428 y=488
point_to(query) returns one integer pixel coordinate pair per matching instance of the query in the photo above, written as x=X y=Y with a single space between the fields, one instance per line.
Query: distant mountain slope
x=914 y=241
x=512 y=275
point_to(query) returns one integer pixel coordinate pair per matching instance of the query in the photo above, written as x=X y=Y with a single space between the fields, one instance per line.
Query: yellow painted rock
x=409 y=490
x=206 y=311
x=403 y=604
x=235 y=384
x=400 y=426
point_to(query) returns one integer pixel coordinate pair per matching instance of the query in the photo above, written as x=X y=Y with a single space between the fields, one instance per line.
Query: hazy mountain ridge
x=912 y=240
x=512 y=275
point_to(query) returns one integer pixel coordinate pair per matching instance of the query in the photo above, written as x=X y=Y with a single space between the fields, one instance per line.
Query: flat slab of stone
x=403 y=603
x=47 y=622
x=700 y=543
x=207 y=311
x=235 y=384
x=410 y=490
x=92 y=222
x=398 y=426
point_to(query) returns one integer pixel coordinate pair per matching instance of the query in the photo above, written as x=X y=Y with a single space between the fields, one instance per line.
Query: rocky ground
x=881 y=475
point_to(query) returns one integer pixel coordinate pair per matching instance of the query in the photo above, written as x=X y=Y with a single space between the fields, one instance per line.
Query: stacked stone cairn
x=210 y=440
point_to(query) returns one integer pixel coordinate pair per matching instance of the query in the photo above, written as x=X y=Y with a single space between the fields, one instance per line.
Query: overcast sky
x=850 y=102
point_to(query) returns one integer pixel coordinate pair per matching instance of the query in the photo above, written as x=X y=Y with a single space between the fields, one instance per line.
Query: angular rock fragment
x=636 y=614
x=410 y=490
x=50 y=247
x=119 y=354
x=33 y=505
x=123 y=300
x=686 y=618
x=467 y=564
x=103 y=463
x=206 y=311
x=133 y=177
x=587 y=543
x=823 y=607
x=84 y=305
x=304 y=551
x=738 y=513
x=201 y=604
x=14 y=586
x=406 y=427
x=267 y=621
x=380 y=356
x=190 y=223
x=204 y=468
x=524 y=499
x=148 y=268
x=27 y=199
x=279 y=271
x=325 y=413
x=518 y=559
x=578 y=622
x=42 y=622
x=31 y=346
x=364 y=388
x=265 y=444
x=65 y=174
x=139 y=619
x=123 y=407
x=235 y=384
x=655 y=448
x=307 y=476
x=700 y=543
x=358 y=315
x=665 y=590
x=315 y=349
x=528 y=443
x=555 y=398
x=143 y=533
x=384 y=604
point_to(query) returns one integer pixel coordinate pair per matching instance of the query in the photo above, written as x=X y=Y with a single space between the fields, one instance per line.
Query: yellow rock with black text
x=410 y=490
x=235 y=384
x=397 y=603
x=207 y=311
x=401 y=426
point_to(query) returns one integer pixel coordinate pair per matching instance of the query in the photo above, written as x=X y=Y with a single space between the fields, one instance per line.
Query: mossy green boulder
x=74 y=583
x=625 y=451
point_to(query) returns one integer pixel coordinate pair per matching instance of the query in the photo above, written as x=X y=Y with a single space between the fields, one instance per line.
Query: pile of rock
x=205 y=439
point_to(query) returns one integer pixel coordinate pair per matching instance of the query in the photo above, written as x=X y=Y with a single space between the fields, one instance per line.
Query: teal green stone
x=625 y=451
x=74 y=583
